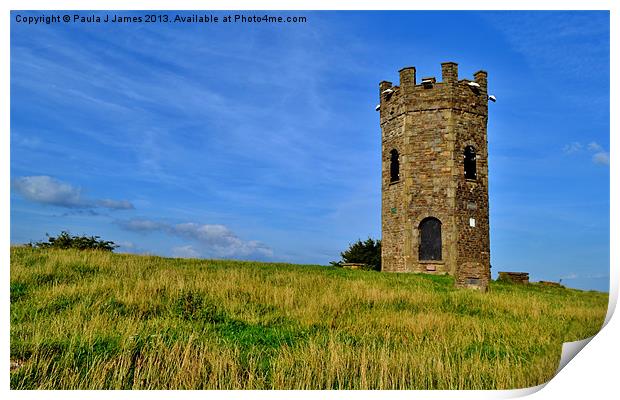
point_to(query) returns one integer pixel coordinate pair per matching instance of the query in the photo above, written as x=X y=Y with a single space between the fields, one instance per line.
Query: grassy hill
x=95 y=320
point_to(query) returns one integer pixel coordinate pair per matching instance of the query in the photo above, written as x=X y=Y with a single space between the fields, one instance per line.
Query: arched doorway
x=430 y=239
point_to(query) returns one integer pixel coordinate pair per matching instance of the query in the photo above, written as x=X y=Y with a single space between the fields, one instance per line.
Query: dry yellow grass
x=95 y=320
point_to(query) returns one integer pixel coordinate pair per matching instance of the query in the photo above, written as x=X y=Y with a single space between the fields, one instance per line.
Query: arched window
x=469 y=162
x=394 y=166
x=430 y=239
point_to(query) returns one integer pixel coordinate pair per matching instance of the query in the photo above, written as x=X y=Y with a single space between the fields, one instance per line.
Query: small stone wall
x=514 y=277
x=552 y=284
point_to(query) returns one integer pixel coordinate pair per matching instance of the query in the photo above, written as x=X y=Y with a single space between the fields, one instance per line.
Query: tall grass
x=97 y=320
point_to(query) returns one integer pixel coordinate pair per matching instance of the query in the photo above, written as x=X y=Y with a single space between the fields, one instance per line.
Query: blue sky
x=260 y=141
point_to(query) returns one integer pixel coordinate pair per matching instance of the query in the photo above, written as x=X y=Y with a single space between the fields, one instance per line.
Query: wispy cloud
x=599 y=154
x=185 y=252
x=214 y=240
x=574 y=275
x=549 y=40
x=571 y=148
x=142 y=225
x=593 y=146
x=114 y=204
x=44 y=189
x=152 y=125
x=126 y=246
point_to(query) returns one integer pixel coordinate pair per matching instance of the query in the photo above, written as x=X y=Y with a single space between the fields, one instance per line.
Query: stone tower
x=435 y=186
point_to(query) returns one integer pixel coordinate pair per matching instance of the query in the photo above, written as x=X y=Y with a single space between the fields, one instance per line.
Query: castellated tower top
x=449 y=76
x=426 y=93
x=435 y=207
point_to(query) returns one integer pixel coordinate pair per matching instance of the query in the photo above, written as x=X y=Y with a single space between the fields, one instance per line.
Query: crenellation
x=384 y=85
x=407 y=77
x=449 y=73
x=480 y=78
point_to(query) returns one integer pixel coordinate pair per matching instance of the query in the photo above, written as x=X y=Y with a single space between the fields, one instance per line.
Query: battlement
x=449 y=77
x=429 y=94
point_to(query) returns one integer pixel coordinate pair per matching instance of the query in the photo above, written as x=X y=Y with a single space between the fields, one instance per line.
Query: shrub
x=66 y=241
x=367 y=252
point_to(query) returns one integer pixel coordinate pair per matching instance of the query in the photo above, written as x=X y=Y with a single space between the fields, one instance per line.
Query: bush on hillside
x=66 y=241
x=367 y=252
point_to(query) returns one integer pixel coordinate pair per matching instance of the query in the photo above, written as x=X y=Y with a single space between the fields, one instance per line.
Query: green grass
x=97 y=320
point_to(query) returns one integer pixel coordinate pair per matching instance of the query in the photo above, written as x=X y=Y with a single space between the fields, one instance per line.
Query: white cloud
x=221 y=239
x=214 y=239
x=47 y=190
x=600 y=156
x=141 y=225
x=185 y=252
x=593 y=146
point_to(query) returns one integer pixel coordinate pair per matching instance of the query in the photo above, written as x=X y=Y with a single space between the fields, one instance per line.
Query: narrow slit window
x=394 y=166
x=469 y=162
